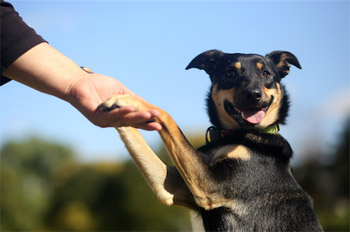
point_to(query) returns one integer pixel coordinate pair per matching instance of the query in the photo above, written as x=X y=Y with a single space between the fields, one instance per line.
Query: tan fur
x=188 y=185
x=238 y=65
x=283 y=63
x=234 y=151
x=219 y=97
x=259 y=65
x=272 y=113
x=182 y=154
x=148 y=162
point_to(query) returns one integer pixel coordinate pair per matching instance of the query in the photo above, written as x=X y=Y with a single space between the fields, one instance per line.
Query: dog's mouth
x=247 y=116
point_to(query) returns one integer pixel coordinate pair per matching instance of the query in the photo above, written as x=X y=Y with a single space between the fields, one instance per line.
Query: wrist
x=76 y=88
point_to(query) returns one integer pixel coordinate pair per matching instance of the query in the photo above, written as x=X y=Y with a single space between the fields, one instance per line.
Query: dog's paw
x=120 y=101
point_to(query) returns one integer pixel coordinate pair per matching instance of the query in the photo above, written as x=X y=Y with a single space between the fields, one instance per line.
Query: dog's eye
x=266 y=74
x=230 y=73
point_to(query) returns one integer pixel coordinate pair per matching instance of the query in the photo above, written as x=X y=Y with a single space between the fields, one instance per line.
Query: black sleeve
x=16 y=37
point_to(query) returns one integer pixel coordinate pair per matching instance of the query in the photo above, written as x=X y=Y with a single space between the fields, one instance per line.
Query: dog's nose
x=257 y=94
x=254 y=95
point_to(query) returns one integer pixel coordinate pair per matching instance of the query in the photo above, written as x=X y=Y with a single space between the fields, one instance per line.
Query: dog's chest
x=230 y=151
x=242 y=166
x=243 y=144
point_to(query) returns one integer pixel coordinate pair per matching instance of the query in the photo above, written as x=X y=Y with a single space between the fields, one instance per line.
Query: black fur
x=216 y=63
x=284 y=107
x=270 y=197
x=263 y=194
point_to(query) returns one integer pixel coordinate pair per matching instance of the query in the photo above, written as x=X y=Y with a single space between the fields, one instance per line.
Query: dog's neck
x=273 y=129
x=214 y=134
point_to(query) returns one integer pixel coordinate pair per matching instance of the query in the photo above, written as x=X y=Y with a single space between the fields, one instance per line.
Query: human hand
x=88 y=92
x=47 y=70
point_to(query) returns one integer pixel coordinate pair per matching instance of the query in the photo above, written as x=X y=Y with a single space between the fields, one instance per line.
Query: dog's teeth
x=242 y=114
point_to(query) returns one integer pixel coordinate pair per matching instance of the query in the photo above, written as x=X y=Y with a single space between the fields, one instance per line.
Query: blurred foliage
x=107 y=197
x=27 y=172
x=325 y=177
x=45 y=188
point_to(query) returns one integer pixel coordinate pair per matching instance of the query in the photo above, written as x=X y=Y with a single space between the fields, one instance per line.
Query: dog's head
x=246 y=90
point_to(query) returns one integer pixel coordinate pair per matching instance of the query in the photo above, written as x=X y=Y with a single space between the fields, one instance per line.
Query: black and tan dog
x=241 y=179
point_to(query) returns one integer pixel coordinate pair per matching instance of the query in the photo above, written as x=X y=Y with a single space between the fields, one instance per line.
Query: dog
x=241 y=179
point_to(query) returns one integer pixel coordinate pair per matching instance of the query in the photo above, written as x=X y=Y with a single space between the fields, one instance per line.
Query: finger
x=119 y=110
x=141 y=120
x=126 y=116
x=135 y=117
x=154 y=113
x=127 y=113
x=150 y=126
x=132 y=119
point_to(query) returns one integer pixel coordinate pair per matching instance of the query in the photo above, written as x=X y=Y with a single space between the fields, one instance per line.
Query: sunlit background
x=60 y=172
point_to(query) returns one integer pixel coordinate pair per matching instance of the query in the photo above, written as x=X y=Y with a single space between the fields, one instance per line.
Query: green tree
x=328 y=183
x=43 y=187
x=26 y=172
x=111 y=197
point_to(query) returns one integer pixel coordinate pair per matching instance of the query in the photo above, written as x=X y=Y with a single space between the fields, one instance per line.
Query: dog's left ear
x=207 y=61
x=283 y=60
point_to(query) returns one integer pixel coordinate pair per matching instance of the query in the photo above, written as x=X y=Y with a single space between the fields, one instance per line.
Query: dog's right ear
x=207 y=61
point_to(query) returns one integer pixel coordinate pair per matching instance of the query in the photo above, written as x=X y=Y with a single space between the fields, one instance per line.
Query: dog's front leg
x=152 y=168
x=189 y=163
x=165 y=181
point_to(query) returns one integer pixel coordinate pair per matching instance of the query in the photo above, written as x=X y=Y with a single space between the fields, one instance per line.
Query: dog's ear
x=207 y=61
x=283 y=60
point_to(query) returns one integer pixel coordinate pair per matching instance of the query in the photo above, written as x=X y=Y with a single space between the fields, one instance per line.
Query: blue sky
x=147 y=45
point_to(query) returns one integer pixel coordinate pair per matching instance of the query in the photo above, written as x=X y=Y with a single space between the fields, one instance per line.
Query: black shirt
x=16 y=37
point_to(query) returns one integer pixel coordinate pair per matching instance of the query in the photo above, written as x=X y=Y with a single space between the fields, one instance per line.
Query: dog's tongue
x=253 y=117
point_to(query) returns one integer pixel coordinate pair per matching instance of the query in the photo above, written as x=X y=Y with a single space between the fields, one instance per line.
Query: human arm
x=47 y=70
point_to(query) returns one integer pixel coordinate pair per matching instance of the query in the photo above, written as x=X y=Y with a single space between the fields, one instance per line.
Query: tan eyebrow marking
x=260 y=65
x=238 y=65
